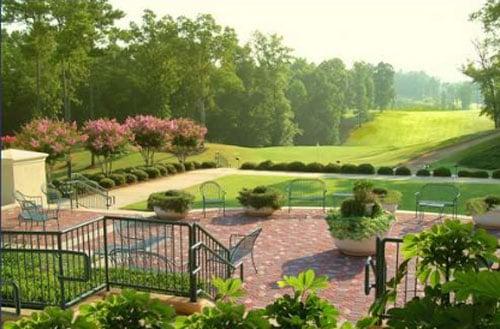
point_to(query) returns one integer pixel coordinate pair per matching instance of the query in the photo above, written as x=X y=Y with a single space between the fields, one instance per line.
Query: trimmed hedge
x=315 y=167
x=131 y=178
x=366 y=169
x=402 y=171
x=152 y=172
x=189 y=166
x=107 y=182
x=179 y=167
x=118 y=179
x=265 y=165
x=297 y=166
x=332 y=168
x=442 y=172
x=388 y=171
x=248 y=166
x=171 y=169
x=280 y=166
x=140 y=174
x=496 y=174
x=161 y=168
x=208 y=165
x=473 y=174
x=349 y=168
x=423 y=173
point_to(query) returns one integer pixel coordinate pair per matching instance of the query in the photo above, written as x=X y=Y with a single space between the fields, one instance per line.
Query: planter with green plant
x=171 y=205
x=260 y=201
x=485 y=211
x=389 y=199
x=358 y=223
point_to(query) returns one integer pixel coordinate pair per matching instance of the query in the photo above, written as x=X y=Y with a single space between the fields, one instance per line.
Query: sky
x=434 y=36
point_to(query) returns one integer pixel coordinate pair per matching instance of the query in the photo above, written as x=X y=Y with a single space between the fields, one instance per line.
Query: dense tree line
x=68 y=60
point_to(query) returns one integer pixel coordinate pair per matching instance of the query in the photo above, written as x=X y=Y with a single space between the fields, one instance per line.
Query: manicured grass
x=392 y=138
x=485 y=155
x=232 y=184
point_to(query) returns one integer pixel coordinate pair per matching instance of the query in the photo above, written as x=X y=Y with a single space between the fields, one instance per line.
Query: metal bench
x=213 y=194
x=307 y=190
x=437 y=196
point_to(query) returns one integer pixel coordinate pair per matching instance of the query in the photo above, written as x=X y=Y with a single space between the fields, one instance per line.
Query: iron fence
x=63 y=267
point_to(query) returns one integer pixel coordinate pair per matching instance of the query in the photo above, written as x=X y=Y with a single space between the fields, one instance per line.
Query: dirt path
x=446 y=151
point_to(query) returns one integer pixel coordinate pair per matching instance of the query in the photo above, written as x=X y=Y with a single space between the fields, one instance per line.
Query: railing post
x=380 y=267
x=106 y=263
x=61 y=269
x=192 y=264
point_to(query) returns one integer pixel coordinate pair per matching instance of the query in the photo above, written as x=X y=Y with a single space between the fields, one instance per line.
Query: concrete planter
x=261 y=212
x=491 y=219
x=169 y=214
x=390 y=207
x=365 y=247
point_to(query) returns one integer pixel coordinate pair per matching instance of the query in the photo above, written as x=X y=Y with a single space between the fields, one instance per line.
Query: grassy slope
x=485 y=155
x=232 y=184
x=393 y=137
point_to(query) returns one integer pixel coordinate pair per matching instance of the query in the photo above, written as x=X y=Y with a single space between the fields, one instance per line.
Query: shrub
x=357 y=227
x=171 y=169
x=315 y=167
x=380 y=191
x=260 y=197
x=52 y=317
x=107 y=183
x=402 y=171
x=248 y=166
x=197 y=165
x=189 y=166
x=140 y=174
x=385 y=171
x=131 y=178
x=179 y=167
x=392 y=197
x=474 y=174
x=129 y=309
x=174 y=200
x=119 y=179
x=349 y=169
x=208 y=165
x=296 y=166
x=442 y=172
x=97 y=177
x=366 y=169
x=161 y=168
x=265 y=165
x=479 y=206
x=280 y=166
x=496 y=174
x=152 y=172
x=423 y=173
x=332 y=168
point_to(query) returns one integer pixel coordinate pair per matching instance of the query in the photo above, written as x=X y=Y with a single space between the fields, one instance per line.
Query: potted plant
x=363 y=194
x=485 y=211
x=357 y=224
x=260 y=201
x=389 y=199
x=172 y=204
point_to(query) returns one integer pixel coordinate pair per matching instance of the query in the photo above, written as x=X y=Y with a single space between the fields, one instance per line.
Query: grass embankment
x=233 y=184
x=393 y=137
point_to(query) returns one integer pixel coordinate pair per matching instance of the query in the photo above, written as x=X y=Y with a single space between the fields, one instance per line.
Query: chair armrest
x=234 y=235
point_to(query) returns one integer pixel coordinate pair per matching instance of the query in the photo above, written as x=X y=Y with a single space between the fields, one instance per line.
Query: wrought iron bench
x=438 y=196
x=213 y=194
x=309 y=190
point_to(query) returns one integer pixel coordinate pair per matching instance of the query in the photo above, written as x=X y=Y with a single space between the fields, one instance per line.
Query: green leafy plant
x=357 y=227
x=389 y=197
x=479 y=206
x=178 y=201
x=261 y=197
x=129 y=309
x=51 y=318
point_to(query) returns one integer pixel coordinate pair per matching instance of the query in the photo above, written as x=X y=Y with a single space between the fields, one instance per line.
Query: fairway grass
x=234 y=183
x=392 y=138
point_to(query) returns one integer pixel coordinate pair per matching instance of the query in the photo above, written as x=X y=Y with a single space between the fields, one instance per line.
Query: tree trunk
x=38 y=69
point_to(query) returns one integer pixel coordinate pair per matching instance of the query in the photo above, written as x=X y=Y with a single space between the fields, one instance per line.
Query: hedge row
x=365 y=168
x=132 y=175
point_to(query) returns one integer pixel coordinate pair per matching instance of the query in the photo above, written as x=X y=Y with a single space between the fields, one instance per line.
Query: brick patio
x=290 y=243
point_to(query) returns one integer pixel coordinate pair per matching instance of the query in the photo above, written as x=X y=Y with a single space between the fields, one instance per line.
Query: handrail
x=80 y=181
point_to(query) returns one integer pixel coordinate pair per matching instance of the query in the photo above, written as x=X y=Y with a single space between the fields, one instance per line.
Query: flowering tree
x=106 y=138
x=7 y=141
x=151 y=134
x=187 y=138
x=52 y=136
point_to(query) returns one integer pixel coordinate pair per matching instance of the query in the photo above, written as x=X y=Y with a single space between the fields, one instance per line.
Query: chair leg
x=241 y=272
x=253 y=263
x=204 y=210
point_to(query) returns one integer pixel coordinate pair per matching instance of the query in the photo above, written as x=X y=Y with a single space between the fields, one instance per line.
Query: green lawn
x=393 y=137
x=485 y=155
x=232 y=184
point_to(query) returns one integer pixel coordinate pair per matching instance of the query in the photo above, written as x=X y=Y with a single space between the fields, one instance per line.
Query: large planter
x=169 y=214
x=261 y=212
x=358 y=248
x=490 y=219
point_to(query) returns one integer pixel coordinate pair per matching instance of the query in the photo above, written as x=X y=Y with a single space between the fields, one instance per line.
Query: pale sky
x=430 y=35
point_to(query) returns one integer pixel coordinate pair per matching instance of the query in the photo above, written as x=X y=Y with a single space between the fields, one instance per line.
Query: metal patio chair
x=32 y=210
x=213 y=194
x=308 y=190
x=438 y=196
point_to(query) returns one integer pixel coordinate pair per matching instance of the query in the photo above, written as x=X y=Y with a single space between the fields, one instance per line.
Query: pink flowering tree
x=7 y=141
x=52 y=136
x=151 y=134
x=187 y=138
x=106 y=139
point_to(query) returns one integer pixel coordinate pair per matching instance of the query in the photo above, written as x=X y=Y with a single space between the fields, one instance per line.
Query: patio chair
x=438 y=196
x=32 y=210
x=213 y=194
x=54 y=196
x=309 y=190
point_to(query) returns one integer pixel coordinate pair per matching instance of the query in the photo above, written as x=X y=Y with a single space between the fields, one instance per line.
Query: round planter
x=365 y=247
x=390 y=207
x=261 y=212
x=169 y=214
x=491 y=219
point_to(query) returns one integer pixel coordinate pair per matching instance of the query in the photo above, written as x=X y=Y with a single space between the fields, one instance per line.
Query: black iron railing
x=87 y=193
x=63 y=267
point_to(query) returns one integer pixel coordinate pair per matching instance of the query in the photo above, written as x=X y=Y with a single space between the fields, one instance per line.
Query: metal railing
x=87 y=193
x=63 y=267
